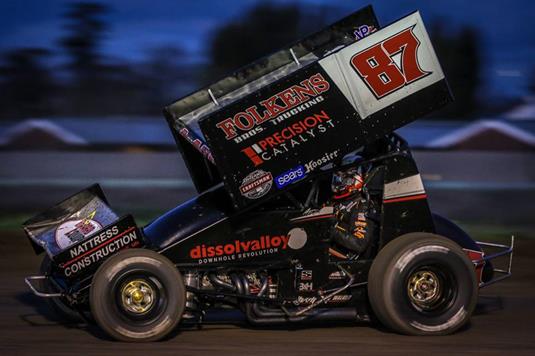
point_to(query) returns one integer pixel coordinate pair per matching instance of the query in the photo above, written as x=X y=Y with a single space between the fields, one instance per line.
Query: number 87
x=375 y=65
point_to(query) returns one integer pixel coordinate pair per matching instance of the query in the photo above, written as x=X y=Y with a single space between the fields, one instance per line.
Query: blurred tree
x=459 y=55
x=93 y=86
x=85 y=29
x=259 y=32
x=25 y=84
x=164 y=73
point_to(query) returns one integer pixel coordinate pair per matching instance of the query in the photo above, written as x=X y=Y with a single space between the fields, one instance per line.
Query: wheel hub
x=137 y=296
x=424 y=288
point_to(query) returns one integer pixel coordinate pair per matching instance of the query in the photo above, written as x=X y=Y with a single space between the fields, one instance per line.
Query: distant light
x=511 y=73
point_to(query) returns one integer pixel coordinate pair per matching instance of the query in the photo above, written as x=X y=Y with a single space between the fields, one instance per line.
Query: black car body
x=262 y=146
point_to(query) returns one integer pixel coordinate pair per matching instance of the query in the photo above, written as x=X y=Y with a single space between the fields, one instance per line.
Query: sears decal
x=256 y=184
x=88 y=254
x=238 y=249
x=275 y=109
x=291 y=176
x=300 y=172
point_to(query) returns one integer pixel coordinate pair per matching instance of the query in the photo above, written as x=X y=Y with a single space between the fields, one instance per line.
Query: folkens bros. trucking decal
x=275 y=109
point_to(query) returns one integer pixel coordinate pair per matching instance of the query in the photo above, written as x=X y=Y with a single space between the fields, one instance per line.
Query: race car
x=310 y=206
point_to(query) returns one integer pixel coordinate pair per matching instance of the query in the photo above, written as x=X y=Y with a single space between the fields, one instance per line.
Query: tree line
x=86 y=83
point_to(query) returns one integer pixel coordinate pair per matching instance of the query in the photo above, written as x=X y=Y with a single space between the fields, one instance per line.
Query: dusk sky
x=506 y=28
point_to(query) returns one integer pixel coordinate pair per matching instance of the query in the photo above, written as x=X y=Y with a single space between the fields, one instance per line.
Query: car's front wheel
x=137 y=295
x=422 y=284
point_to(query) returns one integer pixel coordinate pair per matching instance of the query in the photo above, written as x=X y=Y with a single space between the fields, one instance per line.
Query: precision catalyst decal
x=238 y=249
x=99 y=247
x=256 y=184
x=283 y=141
x=275 y=109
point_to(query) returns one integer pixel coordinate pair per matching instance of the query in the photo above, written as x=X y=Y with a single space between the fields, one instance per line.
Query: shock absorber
x=191 y=279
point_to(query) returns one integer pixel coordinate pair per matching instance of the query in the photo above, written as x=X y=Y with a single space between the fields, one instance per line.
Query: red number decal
x=377 y=68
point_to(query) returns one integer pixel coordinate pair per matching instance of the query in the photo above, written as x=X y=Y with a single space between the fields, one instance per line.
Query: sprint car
x=262 y=147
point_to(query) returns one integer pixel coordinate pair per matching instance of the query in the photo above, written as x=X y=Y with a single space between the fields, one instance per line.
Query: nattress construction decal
x=88 y=254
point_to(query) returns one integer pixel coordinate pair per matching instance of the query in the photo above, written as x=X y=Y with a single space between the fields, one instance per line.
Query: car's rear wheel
x=422 y=284
x=137 y=295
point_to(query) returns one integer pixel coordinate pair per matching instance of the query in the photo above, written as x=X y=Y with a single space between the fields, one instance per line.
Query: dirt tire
x=59 y=307
x=422 y=284
x=137 y=295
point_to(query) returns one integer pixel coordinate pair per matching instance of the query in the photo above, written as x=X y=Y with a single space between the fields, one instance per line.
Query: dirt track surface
x=503 y=324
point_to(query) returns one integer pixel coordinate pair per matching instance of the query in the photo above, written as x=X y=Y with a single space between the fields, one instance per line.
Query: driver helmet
x=345 y=183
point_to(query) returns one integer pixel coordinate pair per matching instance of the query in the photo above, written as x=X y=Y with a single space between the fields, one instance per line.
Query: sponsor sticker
x=256 y=184
x=363 y=31
x=321 y=161
x=291 y=176
x=288 y=138
x=340 y=298
x=73 y=231
x=304 y=300
x=336 y=275
x=88 y=254
x=197 y=143
x=277 y=108
x=238 y=249
x=306 y=286
x=306 y=275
